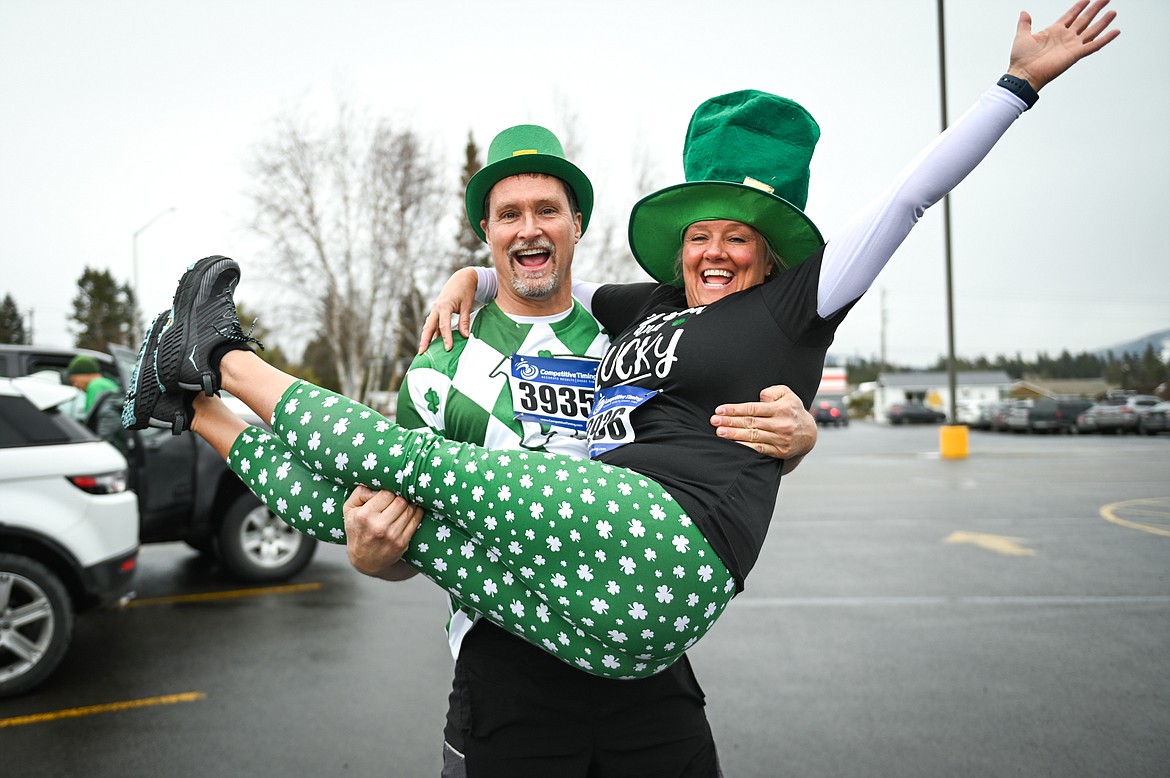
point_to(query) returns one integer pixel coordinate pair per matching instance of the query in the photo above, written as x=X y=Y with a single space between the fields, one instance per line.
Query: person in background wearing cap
x=532 y=206
x=85 y=374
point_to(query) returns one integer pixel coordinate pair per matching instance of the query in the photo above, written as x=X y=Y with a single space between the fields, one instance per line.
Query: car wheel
x=255 y=545
x=36 y=623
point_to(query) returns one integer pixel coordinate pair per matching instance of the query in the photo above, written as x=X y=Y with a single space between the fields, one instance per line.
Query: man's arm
x=777 y=426
x=378 y=529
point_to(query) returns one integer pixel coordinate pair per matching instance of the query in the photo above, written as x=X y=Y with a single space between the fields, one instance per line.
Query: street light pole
x=953 y=435
x=134 y=264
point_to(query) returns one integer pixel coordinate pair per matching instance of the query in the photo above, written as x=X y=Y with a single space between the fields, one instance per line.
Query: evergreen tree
x=469 y=249
x=11 y=322
x=103 y=311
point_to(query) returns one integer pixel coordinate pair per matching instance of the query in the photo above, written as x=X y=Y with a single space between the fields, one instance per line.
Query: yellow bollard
x=952 y=440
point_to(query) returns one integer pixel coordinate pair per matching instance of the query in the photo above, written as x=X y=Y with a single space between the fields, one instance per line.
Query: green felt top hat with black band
x=746 y=158
x=525 y=148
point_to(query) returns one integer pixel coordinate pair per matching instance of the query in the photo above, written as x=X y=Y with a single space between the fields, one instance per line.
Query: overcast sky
x=114 y=112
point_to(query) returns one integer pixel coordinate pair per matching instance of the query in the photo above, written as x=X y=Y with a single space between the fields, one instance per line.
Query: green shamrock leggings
x=593 y=563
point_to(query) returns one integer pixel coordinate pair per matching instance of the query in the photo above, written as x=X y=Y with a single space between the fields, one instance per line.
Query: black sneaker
x=203 y=326
x=147 y=404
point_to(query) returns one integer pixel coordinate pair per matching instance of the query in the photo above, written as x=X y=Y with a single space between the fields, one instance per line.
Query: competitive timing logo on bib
x=560 y=370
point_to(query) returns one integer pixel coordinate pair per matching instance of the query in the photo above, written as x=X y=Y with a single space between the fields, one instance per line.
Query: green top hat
x=746 y=158
x=525 y=148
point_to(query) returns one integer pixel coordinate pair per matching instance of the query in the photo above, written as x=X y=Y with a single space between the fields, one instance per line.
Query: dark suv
x=185 y=490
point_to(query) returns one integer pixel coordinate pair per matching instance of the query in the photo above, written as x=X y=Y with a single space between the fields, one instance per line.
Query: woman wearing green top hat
x=617 y=564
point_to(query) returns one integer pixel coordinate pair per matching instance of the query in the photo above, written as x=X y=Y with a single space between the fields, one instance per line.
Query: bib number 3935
x=557 y=391
x=609 y=426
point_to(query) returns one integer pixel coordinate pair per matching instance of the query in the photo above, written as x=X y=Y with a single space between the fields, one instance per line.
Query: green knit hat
x=746 y=158
x=82 y=364
x=525 y=148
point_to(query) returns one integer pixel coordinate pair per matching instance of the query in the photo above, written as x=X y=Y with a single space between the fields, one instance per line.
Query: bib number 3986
x=609 y=426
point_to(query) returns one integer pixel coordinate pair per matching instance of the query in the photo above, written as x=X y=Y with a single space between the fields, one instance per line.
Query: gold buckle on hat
x=754 y=184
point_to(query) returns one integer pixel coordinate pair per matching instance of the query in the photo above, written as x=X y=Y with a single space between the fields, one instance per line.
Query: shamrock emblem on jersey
x=432 y=398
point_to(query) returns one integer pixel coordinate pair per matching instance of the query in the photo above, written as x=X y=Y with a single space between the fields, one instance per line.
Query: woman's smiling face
x=720 y=257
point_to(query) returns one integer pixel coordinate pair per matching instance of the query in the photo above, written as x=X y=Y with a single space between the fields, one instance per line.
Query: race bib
x=557 y=391
x=609 y=426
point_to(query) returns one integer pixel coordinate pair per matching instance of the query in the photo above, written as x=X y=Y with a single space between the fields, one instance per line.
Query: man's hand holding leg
x=378 y=529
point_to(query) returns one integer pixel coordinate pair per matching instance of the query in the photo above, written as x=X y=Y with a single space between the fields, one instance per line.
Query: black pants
x=516 y=711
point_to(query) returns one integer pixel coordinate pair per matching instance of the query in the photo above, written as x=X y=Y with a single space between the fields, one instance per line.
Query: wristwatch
x=1020 y=88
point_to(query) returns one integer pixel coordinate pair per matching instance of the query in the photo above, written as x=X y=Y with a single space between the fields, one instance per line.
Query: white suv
x=68 y=528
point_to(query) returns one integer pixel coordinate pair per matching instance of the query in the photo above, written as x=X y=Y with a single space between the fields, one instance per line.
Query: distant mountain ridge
x=1159 y=340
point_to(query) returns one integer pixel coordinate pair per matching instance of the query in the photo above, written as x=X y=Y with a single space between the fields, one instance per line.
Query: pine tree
x=11 y=322
x=103 y=311
x=469 y=249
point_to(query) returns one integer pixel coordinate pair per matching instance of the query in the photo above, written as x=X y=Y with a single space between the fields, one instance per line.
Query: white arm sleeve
x=583 y=291
x=855 y=256
x=487 y=285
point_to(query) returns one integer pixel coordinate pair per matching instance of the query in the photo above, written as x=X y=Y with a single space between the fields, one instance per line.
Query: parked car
x=914 y=413
x=68 y=529
x=1018 y=416
x=999 y=415
x=829 y=413
x=1120 y=414
x=985 y=416
x=1055 y=415
x=1154 y=419
x=185 y=490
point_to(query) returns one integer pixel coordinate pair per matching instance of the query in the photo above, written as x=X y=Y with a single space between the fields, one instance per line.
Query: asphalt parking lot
x=1005 y=614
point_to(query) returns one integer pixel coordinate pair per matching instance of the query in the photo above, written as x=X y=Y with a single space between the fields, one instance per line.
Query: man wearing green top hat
x=515 y=710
